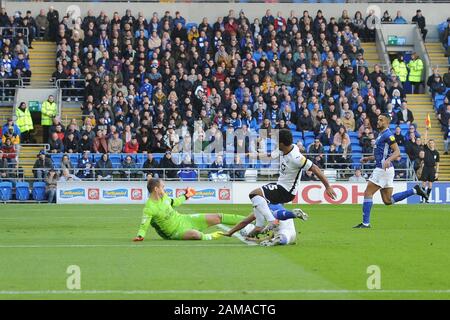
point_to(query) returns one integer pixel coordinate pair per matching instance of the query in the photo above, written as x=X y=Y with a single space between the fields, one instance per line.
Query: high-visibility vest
x=48 y=112
x=400 y=69
x=415 y=70
x=24 y=120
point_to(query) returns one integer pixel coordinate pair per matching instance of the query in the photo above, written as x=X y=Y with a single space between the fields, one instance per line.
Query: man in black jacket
x=420 y=20
x=41 y=166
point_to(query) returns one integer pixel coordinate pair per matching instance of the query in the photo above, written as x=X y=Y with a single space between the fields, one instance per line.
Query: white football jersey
x=291 y=168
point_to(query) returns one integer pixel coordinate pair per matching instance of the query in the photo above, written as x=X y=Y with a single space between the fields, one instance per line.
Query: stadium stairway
x=5 y=113
x=437 y=56
x=421 y=105
x=27 y=157
x=371 y=54
x=42 y=62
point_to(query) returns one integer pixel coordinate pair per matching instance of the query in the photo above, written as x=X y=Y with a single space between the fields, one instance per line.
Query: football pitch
x=409 y=245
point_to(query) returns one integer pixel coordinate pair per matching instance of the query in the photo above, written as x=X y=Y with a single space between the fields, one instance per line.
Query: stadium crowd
x=154 y=86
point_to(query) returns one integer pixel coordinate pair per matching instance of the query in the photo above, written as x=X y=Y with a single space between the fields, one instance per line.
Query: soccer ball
x=247 y=229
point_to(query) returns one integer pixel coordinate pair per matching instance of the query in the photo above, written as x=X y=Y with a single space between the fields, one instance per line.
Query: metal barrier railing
x=71 y=90
x=12 y=33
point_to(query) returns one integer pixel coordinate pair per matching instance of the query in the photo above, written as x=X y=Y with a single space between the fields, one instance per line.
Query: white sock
x=260 y=204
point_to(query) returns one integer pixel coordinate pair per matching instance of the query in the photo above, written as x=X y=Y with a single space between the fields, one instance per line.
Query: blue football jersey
x=382 y=149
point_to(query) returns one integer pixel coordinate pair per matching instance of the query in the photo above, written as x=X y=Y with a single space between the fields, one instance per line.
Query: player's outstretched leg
x=399 y=196
x=260 y=205
x=197 y=235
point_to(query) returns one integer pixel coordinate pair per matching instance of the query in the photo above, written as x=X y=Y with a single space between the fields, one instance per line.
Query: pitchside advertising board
x=136 y=192
x=440 y=193
x=103 y=192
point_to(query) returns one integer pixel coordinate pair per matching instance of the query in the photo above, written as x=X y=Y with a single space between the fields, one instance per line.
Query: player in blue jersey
x=386 y=150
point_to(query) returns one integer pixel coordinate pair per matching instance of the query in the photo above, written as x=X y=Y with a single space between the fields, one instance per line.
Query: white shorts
x=383 y=178
x=287 y=231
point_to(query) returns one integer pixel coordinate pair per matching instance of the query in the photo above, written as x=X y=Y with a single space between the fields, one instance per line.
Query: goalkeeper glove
x=189 y=193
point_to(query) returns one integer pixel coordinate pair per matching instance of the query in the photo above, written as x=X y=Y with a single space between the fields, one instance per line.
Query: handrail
x=15 y=30
x=381 y=48
x=426 y=57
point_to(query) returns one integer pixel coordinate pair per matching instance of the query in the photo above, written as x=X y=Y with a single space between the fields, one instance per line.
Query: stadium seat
x=115 y=160
x=96 y=157
x=187 y=175
x=5 y=191
x=308 y=134
x=22 y=191
x=356 y=148
x=74 y=159
x=352 y=134
x=190 y=25
x=140 y=159
x=38 y=191
x=56 y=159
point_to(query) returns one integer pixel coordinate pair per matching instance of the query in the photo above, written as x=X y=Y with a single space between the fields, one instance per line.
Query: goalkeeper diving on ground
x=159 y=213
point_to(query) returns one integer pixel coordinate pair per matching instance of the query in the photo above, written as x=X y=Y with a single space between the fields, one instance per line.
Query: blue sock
x=399 y=196
x=367 y=206
x=284 y=214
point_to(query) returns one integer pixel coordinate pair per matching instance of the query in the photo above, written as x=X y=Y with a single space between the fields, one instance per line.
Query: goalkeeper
x=159 y=212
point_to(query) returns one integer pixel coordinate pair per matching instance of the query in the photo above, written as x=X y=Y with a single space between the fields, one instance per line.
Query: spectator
x=399 y=19
x=129 y=168
x=405 y=115
x=340 y=136
x=51 y=182
x=150 y=167
x=132 y=146
x=316 y=153
x=103 y=168
x=436 y=85
x=56 y=145
x=67 y=176
x=53 y=22
x=24 y=122
x=8 y=124
x=41 y=166
x=413 y=147
x=100 y=145
x=386 y=17
x=419 y=19
x=305 y=122
x=12 y=136
x=115 y=143
x=308 y=176
x=42 y=24
x=168 y=164
x=219 y=170
x=4 y=167
x=70 y=143
x=238 y=172
x=357 y=177
x=48 y=113
x=86 y=172
x=447 y=78
x=399 y=139
x=415 y=73
x=66 y=163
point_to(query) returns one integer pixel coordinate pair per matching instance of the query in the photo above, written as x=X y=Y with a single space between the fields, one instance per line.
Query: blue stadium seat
x=187 y=175
x=308 y=141
x=115 y=160
x=140 y=159
x=38 y=191
x=292 y=127
x=356 y=148
x=96 y=157
x=326 y=148
x=5 y=191
x=74 y=157
x=56 y=159
x=158 y=156
x=190 y=25
x=402 y=149
x=308 y=134
x=352 y=134
x=22 y=191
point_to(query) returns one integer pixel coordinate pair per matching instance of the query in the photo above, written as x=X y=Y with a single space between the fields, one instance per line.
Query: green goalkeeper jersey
x=162 y=216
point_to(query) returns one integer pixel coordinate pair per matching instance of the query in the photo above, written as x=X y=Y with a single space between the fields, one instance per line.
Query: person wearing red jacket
x=132 y=146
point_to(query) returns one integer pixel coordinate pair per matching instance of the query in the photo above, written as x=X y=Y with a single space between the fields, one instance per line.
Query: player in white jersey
x=284 y=191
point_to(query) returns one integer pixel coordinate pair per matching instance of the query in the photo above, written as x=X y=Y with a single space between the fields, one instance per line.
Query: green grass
x=410 y=244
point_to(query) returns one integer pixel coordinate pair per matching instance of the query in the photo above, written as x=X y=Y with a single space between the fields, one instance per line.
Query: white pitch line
x=237 y=235
x=119 y=245
x=275 y=291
